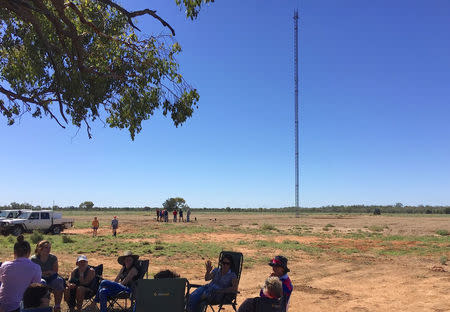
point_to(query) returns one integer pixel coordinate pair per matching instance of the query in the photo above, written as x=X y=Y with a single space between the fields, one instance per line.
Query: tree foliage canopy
x=79 y=60
x=175 y=203
x=87 y=205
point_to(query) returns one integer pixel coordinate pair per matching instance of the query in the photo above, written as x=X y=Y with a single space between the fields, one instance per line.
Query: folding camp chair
x=225 y=298
x=116 y=301
x=161 y=295
x=89 y=297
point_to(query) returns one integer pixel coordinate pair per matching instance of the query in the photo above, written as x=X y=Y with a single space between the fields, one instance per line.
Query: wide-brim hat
x=81 y=258
x=127 y=253
x=281 y=262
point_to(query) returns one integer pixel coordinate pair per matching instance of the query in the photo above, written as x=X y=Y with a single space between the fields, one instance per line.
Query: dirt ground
x=360 y=281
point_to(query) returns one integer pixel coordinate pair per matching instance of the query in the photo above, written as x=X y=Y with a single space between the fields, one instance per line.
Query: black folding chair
x=161 y=295
x=89 y=297
x=114 y=303
x=228 y=298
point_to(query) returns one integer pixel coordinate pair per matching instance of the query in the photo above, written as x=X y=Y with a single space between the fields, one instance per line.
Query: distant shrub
x=329 y=225
x=159 y=245
x=447 y=210
x=443 y=260
x=428 y=211
x=268 y=227
x=442 y=232
x=36 y=237
x=377 y=211
x=377 y=228
x=66 y=239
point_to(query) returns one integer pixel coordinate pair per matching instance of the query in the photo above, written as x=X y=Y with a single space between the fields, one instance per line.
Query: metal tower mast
x=296 y=106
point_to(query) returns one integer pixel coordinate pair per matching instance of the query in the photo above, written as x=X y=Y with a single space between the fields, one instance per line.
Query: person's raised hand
x=208 y=266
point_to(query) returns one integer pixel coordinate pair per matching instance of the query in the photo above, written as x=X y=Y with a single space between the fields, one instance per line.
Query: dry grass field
x=338 y=262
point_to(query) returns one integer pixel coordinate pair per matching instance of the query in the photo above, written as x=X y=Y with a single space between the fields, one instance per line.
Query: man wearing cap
x=114 y=225
x=80 y=283
x=280 y=270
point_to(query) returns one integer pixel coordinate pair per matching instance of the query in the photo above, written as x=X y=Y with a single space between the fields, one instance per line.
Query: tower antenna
x=296 y=110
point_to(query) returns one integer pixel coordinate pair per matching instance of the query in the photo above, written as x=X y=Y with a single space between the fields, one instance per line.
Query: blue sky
x=375 y=104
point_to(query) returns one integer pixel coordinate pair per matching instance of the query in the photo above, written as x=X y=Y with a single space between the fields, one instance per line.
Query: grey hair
x=273 y=286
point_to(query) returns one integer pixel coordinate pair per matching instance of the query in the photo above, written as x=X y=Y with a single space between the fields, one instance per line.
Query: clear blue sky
x=375 y=108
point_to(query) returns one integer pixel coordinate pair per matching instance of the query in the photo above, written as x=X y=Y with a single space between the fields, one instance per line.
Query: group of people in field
x=162 y=215
x=26 y=283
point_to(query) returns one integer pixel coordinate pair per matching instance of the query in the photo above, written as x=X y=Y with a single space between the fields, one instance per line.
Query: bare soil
x=360 y=281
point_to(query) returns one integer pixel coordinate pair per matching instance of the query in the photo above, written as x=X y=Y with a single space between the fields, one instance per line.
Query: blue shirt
x=220 y=281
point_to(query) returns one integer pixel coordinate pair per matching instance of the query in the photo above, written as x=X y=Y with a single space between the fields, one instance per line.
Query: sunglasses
x=226 y=263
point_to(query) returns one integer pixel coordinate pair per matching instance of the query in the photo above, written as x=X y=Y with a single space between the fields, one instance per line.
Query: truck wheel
x=56 y=229
x=17 y=230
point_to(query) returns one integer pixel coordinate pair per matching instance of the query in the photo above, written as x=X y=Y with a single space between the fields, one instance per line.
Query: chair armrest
x=233 y=292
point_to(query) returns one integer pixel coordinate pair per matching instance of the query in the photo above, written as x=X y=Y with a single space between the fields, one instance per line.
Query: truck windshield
x=3 y=214
x=23 y=215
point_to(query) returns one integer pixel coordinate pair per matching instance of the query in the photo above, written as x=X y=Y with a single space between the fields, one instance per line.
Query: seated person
x=36 y=298
x=166 y=274
x=16 y=276
x=49 y=267
x=223 y=281
x=124 y=280
x=82 y=283
x=270 y=302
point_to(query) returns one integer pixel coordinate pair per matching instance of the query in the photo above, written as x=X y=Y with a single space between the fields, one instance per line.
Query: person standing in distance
x=180 y=214
x=114 y=226
x=95 y=225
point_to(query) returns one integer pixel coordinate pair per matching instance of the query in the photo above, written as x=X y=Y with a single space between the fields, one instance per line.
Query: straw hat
x=127 y=253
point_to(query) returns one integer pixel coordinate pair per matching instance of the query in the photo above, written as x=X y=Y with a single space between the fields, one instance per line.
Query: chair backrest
x=142 y=266
x=98 y=270
x=238 y=260
x=97 y=279
x=161 y=295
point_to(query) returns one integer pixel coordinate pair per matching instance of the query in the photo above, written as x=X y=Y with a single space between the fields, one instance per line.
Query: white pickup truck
x=45 y=220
